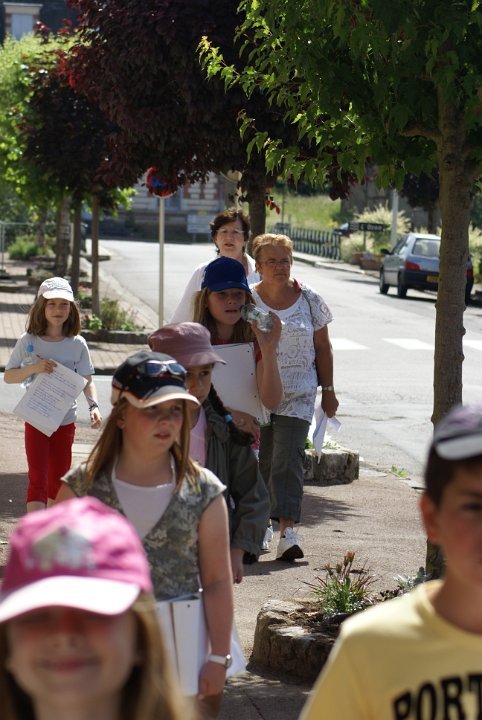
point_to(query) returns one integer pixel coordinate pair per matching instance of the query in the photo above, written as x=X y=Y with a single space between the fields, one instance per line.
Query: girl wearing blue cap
x=217 y=306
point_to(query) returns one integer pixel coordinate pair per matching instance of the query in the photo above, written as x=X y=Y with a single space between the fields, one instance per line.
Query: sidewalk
x=376 y=516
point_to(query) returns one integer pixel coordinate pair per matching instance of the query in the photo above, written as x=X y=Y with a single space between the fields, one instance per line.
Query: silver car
x=414 y=263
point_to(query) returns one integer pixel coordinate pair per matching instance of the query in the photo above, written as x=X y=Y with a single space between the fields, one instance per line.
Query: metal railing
x=322 y=243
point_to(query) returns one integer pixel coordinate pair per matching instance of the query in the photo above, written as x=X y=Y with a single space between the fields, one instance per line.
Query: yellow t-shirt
x=400 y=661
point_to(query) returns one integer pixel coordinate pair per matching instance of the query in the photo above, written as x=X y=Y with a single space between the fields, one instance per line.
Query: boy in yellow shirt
x=419 y=656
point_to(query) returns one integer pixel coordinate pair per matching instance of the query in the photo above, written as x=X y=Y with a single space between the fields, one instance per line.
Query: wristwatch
x=329 y=388
x=225 y=660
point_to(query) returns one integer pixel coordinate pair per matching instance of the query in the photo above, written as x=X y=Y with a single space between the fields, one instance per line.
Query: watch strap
x=224 y=660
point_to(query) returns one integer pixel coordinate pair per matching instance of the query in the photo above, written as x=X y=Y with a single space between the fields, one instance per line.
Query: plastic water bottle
x=263 y=319
x=29 y=359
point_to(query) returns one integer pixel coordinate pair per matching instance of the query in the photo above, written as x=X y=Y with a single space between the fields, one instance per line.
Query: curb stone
x=337 y=466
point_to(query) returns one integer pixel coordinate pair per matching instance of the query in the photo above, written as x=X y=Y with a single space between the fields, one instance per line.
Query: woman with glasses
x=141 y=467
x=305 y=360
x=230 y=234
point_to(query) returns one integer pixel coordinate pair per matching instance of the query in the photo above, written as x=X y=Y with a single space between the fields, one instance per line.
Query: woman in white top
x=230 y=234
x=305 y=360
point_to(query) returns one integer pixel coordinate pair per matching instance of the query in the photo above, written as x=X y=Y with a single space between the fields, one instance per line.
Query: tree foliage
x=21 y=181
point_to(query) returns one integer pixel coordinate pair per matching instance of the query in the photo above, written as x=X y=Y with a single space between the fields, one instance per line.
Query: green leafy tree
x=399 y=82
x=23 y=195
x=70 y=141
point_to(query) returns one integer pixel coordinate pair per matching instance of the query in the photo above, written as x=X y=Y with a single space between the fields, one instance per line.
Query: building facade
x=19 y=18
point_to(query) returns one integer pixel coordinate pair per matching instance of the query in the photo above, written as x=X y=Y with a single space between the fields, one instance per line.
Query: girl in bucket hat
x=79 y=636
x=141 y=467
x=52 y=337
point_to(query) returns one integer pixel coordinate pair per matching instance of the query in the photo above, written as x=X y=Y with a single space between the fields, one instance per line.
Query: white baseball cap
x=56 y=287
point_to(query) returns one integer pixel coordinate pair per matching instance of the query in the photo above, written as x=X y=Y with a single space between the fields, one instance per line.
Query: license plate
x=432 y=278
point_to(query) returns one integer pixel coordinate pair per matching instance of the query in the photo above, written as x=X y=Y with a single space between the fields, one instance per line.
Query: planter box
x=370 y=261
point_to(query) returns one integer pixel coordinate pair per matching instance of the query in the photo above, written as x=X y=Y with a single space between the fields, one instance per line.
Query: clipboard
x=185 y=635
x=184 y=630
x=235 y=382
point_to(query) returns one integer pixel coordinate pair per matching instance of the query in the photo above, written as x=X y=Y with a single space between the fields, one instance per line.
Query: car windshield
x=426 y=248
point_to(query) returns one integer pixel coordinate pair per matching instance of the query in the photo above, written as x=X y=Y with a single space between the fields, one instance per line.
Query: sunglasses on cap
x=160 y=368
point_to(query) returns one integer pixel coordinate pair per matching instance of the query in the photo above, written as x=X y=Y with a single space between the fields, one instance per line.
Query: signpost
x=198 y=224
x=367 y=227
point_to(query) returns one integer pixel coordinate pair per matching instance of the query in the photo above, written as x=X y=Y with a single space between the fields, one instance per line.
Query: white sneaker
x=289 y=546
x=268 y=536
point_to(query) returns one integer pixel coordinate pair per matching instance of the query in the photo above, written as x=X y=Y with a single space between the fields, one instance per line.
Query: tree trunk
x=95 y=255
x=431 y=224
x=62 y=247
x=455 y=195
x=75 y=265
x=40 y=231
x=254 y=184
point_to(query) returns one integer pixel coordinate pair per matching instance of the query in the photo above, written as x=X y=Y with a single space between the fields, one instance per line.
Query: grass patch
x=316 y=212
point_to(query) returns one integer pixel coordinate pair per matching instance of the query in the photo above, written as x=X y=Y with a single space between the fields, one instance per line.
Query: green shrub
x=24 y=248
x=405 y=584
x=344 y=589
x=114 y=317
x=92 y=322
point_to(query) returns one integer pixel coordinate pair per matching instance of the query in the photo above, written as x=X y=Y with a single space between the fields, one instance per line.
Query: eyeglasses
x=159 y=369
x=273 y=263
x=224 y=232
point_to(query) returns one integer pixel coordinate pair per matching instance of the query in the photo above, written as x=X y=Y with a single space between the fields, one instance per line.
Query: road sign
x=367 y=226
x=198 y=224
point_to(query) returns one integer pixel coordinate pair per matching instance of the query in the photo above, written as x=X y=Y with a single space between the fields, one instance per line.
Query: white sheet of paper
x=49 y=397
x=235 y=382
x=319 y=426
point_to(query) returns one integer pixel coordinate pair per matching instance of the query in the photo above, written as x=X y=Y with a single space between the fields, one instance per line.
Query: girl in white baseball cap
x=52 y=338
